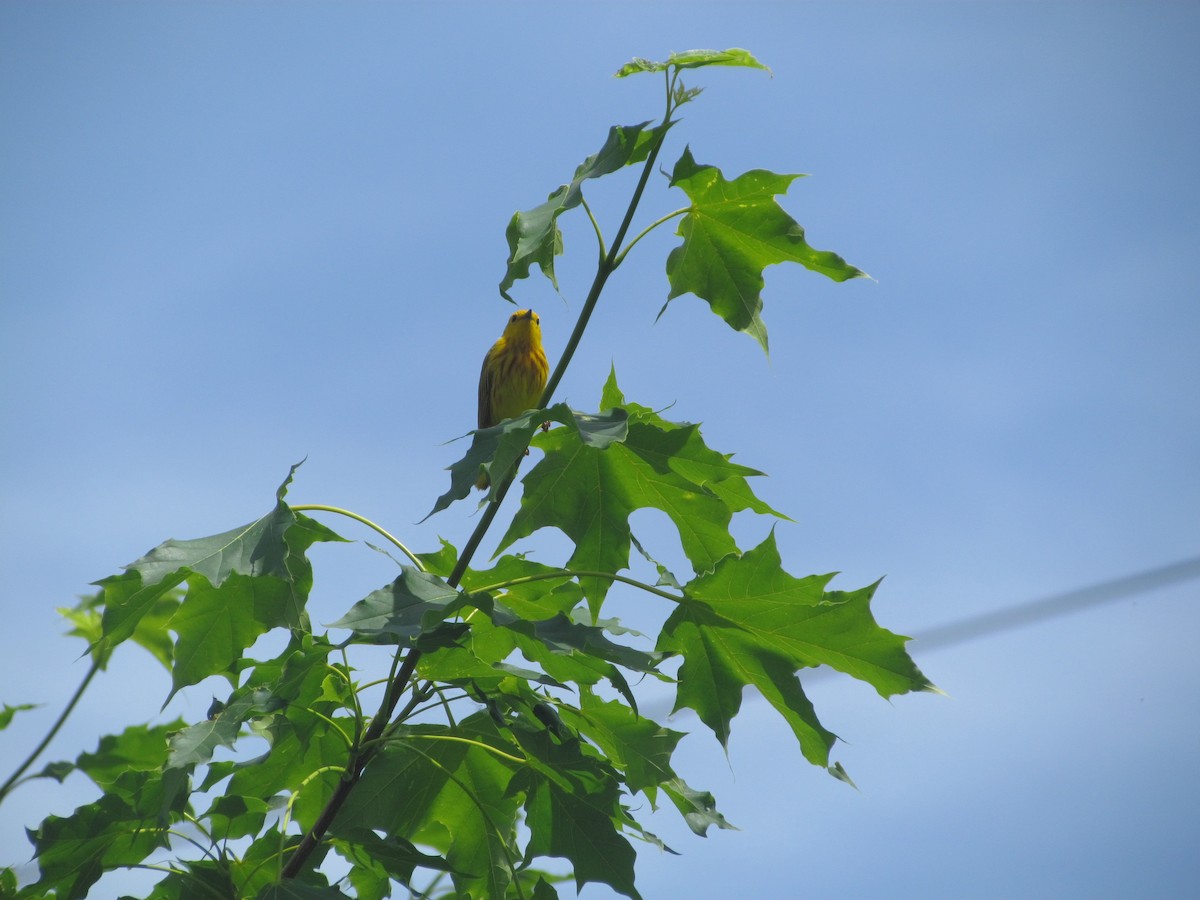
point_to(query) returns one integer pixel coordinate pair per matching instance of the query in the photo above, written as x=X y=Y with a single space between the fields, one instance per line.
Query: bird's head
x=524 y=327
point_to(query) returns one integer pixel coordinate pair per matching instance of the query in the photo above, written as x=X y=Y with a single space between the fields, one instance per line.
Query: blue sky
x=235 y=235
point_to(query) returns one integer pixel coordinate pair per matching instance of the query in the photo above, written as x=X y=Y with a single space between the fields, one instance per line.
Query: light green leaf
x=150 y=631
x=692 y=59
x=732 y=231
x=7 y=713
x=240 y=584
x=699 y=808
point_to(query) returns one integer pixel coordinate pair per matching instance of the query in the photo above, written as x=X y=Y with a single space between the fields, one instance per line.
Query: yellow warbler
x=514 y=373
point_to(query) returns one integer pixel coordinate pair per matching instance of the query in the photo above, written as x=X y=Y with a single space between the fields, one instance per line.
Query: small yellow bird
x=514 y=373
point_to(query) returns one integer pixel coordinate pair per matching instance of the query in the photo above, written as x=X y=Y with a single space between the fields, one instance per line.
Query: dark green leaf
x=637 y=746
x=397 y=856
x=257 y=872
x=572 y=809
x=534 y=236
x=749 y=622
x=447 y=794
x=699 y=808
x=294 y=890
x=415 y=603
x=589 y=493
x=194 y=745
x=570 y=651
x=270 y=549
x=498 y=448
x=233 y=816
x=120 y=829
x=732 y=231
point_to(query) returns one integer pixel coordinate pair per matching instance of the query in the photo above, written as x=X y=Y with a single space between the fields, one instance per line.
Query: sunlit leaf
x=732 y=231
x=749 y=622
x=692 y=59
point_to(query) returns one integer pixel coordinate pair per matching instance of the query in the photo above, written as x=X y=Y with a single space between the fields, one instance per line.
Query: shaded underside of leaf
x=533 y=235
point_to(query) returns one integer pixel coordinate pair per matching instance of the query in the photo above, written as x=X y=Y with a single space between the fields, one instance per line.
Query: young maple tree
x=508 y=731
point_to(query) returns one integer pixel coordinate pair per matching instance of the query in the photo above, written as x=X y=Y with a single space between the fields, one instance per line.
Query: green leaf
x=294 y=890
x=7 y=713
x=451 y=795
x=692 y=59
x=732 y=231
x=589 y=493
x=534 y=237
x=257 y=872
x=570 y=651
x=749 y=622
x=118 y=830
x=150 y=631
x=530 y=589
x=637 y=746
x=232 y=816
x=195 y=744
x=415 y=603
x=441 y=561
x=395 y=856
x=305 y=750
x=240 y=584
x=140 y=748
x=572 y=808
x=498 y=448
x=699 y=808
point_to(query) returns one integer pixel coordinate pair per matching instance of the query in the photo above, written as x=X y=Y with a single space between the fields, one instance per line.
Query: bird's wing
x=486 y=416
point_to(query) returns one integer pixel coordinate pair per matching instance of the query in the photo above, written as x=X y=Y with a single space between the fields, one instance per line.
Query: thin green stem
x=596 y=227
x=356 y=517
x=336 y=727
x=607 y=265
x=7 y=787
x=461 y=740
x=645 y=231
x=443 y=702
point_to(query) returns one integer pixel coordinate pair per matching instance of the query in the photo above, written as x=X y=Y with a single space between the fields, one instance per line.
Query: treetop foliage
x=505 y=743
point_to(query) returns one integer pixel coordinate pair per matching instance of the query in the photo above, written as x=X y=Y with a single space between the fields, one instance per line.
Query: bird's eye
x=513 y=317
